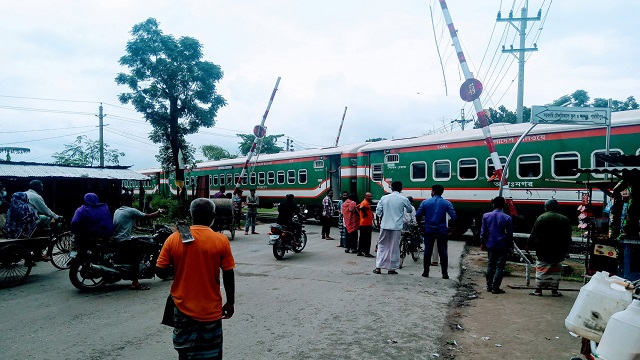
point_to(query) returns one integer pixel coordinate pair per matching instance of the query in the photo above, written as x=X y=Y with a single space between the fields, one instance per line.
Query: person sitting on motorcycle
x=409 y=221
x=36 y=202
x=92 y=220
x=286 y=211
x=124 y=219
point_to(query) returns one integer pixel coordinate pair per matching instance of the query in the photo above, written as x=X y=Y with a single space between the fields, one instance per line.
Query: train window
x=222 y=179
x=302 y=176
x=599 y=163
x=638 y=152
x=215 y=180
x=236 y=178
x=418 y=171
x=261 y=177
x=252 y=178
x=291 y=176
x=391 y=158
x=467 y=169
x=529 y=166
x=376 y=172
x=229 y=179
x=441 y=170
x=280 y=177
x=210 y=180
x=187 y=181
x=490 y=169
x=245 y=179
x=318 y=164
x=271 y=177
x=193 y=181
x=563 y=165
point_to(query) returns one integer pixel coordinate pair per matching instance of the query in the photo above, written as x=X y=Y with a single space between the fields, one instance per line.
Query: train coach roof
x=497 y=131
x=343 y=149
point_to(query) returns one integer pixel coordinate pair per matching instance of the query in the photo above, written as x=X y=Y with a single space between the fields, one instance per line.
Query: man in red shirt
x=196 y=293
x=366 y=226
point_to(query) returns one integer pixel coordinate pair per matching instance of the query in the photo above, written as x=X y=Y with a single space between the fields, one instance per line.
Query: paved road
x=319 y=304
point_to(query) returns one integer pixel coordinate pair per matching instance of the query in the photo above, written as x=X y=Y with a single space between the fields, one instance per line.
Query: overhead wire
x=42 y=139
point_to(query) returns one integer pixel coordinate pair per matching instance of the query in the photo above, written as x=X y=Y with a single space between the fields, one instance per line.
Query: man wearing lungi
x=196 y=265
x=550 y=238
x=391 y=210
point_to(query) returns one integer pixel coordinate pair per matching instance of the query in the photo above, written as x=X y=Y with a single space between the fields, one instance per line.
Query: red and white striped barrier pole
x=470 y=91
x=340 y=129
x=260 y=132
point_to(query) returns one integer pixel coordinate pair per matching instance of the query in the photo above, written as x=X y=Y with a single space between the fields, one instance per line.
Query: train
x=541 y=168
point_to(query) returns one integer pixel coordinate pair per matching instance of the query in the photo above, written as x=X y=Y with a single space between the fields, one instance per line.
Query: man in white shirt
x=37 y=203
x=390 y=210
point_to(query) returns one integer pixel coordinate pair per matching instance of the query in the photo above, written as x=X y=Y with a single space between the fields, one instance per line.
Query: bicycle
x=411 y=243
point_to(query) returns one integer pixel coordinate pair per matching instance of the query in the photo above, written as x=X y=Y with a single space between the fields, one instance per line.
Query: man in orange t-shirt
x=366 y=226
x=196 y=286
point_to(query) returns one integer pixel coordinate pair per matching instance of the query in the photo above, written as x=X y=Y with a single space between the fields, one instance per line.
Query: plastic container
x=621 y=339
x=595 y=304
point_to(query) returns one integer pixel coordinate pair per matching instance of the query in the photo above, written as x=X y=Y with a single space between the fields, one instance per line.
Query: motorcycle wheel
x=416 y=251
x=80 y=282
x=303 y=243
x=59 y=251
x=233 y=231
x=278 y=249
x=15 y=265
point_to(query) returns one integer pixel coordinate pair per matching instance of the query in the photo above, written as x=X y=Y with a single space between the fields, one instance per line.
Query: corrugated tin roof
x=35 y=170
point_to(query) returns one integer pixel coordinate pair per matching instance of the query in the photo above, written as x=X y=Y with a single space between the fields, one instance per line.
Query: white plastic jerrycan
x=595 y=304
x=621 y=339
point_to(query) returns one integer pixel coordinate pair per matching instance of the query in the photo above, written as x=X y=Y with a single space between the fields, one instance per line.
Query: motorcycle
x=285 y=238
x=96 y=263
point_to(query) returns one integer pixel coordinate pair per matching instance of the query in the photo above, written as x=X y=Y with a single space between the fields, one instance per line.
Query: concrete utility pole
x=101 y=117
x=462 y=120
x=522 y=30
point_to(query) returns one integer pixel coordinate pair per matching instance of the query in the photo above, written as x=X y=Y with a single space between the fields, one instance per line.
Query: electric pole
x=462 y=120
x=522 y=30
x=101 y=117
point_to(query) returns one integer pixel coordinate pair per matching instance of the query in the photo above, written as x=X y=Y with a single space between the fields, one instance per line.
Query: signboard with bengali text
x=570 y=115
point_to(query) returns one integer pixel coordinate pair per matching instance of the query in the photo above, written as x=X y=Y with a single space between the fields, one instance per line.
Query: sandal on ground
x=533 y=293
x=392 y=272
x=329 y=238
x=556 y=294
x=368 y=255
x=139 y=287
x=377 y=271
x=498 y=291
x=425 y=275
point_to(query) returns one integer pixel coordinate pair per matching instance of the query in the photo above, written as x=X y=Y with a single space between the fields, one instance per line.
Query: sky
x=380 y=59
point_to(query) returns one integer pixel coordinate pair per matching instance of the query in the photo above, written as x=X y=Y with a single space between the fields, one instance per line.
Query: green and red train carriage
x=541 y=168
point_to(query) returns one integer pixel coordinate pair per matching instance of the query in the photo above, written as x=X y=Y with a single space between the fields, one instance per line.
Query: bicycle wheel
x=15 y=265
x=403 y=250
x=59 y=250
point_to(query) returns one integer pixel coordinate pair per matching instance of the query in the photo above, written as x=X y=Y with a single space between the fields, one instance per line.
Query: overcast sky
x=378 y=58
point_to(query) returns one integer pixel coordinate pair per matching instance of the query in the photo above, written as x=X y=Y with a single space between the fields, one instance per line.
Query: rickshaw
x=18 y=256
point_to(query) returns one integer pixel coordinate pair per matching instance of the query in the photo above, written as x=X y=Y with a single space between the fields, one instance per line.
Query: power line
x=65 y=128
x=20 y=108
x=47 y=99
x=49 y=138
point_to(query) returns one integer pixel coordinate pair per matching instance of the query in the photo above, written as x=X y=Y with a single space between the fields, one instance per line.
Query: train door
x=202 y=187
x=334 y=174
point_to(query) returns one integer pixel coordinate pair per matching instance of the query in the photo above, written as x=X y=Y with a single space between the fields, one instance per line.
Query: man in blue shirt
x=434 y=211
x=496 y=236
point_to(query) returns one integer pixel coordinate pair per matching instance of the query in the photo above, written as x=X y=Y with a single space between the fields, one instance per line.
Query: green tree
x=215 y=152
x=580 y=98
x=173 y=88
x=375 y=139
x=86 y=152
x=268 y=144
x=14 y=150
x=504 y=115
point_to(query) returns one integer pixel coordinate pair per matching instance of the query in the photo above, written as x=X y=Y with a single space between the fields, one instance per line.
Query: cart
x=224 y=217
x=18 y=256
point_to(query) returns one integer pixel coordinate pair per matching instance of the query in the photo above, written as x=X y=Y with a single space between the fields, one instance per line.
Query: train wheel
x=15 y=265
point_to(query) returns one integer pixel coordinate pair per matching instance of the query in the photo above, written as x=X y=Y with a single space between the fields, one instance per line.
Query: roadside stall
x=613 y=239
